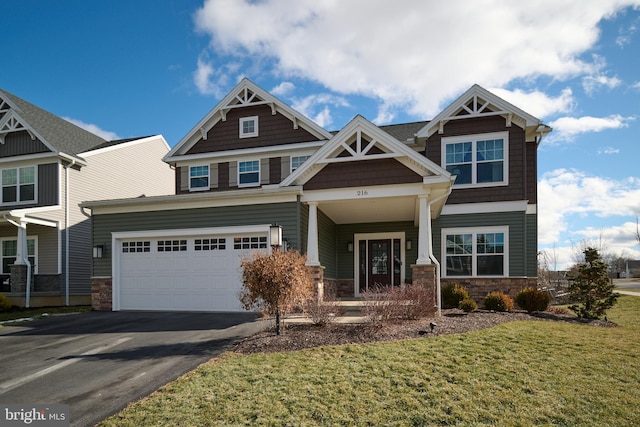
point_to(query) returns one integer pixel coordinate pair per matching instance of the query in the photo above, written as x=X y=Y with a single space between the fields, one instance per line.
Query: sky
x=136 y=68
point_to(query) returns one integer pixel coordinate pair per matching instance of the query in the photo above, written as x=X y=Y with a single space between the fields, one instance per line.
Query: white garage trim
x=118 y=237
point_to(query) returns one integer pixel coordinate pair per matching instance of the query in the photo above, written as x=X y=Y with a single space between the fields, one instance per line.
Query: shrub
x=406 y=302
x=531 y=300
x=452 y=294
x=322 y=312
x=5 y=305
x=468 y=305
x=497 y=301
x=591 y=288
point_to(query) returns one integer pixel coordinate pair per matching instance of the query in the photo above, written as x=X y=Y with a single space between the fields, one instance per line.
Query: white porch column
x=21 y=246
x=313 y=257
x=424 y=231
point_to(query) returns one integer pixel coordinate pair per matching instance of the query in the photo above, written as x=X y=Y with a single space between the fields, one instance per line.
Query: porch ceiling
x=367 y=210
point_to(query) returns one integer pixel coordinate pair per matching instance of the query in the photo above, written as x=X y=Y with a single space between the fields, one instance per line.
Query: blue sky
x=135 y=68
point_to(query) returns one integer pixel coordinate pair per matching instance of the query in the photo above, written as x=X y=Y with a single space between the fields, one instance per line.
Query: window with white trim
x=136 y=247
x=249 y=173
x=248 y=127
x=211 y=244
x=172 y=245
x=297 y=161
x=18 y=184
x=471 y=252
x=9 y=249
x=199 y=177
x=477 y=160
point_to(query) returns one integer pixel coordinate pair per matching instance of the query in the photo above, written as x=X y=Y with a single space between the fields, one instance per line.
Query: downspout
x=66 y=230
x=25 y=259
x=432 y=257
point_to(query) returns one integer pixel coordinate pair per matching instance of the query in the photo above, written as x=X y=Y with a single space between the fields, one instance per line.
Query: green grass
x=40 y=312
x=517 y=374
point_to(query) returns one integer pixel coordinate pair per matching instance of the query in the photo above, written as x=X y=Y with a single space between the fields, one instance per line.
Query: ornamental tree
x=275 y=283
x=591 y=287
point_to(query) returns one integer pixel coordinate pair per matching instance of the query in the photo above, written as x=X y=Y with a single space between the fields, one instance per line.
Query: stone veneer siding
x=101 y=293
x=479 y=288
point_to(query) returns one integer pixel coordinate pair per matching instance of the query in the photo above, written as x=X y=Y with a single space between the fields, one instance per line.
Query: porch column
x=313 y=257
x=424 y=231
x=21 y=246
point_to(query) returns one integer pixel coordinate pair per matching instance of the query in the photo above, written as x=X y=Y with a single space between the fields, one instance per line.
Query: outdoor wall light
x=275 y=235
x=350 y=246
x=408 y=244
x=97 y=251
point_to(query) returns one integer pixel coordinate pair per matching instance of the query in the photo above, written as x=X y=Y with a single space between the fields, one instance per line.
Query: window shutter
x=285 y=167
x=213 y=175
x=264 y=171
x=184 y=178
x=233 y=174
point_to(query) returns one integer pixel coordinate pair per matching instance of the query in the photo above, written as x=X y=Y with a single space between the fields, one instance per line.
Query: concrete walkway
x=632 y=293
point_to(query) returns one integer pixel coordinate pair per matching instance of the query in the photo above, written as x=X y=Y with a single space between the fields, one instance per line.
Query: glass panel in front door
x=379 y=263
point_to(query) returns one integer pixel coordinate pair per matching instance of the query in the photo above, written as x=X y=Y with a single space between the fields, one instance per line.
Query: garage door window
x=254 y=242
x=210 y=244
x=172 y=245
x=131 y=247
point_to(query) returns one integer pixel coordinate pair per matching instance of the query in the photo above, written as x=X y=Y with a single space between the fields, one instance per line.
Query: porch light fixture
x=97 y=251
x=408 y=244
x=275 y=235
x=350 y=246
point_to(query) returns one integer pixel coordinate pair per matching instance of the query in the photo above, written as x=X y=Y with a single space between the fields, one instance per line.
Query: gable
x=273 y=129
x=247 y=100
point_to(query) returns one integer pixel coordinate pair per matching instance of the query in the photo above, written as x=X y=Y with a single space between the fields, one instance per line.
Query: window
x=249 y=173
x=248 y=127
x=10 y=250
x=210 y=244
x=19 y=185
x=172 y=245
x=199 y=177
x=477 y=160
x=296 y=161
x=476 y=252
x=133 y=247
x=254 y=242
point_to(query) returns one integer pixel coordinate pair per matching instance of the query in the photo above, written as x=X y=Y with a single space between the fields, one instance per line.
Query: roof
x=404 y=132
x=59 y=134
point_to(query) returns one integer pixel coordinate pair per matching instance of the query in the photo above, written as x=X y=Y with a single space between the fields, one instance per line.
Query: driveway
x=98 y=362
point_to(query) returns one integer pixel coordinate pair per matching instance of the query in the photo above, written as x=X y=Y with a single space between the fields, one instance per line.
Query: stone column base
x=101 y=293
x=317 y=275
x=425 y=275
x=19 y=279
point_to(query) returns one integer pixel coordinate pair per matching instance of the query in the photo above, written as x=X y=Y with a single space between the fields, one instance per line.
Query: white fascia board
x=247 y=197
x=532 y=209
x=229 y=154
x=30 y=158
x=370 y=192
x=125 y=145
x=488 y=207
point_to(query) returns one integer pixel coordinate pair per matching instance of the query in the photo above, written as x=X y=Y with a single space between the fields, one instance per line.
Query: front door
x=379 y=263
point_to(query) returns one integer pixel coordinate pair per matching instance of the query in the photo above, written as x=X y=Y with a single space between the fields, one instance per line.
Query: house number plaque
x=361 y=193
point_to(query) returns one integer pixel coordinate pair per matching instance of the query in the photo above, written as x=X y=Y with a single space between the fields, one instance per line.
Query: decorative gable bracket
x=11 y=123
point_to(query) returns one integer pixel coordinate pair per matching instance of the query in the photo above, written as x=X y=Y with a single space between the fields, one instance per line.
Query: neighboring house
x=47 y=167
x=368 y=205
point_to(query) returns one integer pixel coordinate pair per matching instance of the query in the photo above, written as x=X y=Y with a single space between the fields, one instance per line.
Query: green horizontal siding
x=522 y=247
x=327 y=244
x=284 y=214
x=532 y=244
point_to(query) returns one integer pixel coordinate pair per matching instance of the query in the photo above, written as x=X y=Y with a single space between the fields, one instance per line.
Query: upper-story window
x=296 y=161
x=199 y=177
x=249 y=173
x=477 y=160
x=19 y=185
x=248 y=127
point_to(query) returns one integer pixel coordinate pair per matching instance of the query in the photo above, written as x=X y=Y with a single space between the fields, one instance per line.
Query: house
x=451 y=199
x=47 y=166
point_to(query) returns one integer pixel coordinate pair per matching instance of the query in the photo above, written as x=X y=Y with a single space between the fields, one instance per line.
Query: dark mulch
x=306 y=335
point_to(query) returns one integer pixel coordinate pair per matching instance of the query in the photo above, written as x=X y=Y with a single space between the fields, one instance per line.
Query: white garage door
x=183 y=272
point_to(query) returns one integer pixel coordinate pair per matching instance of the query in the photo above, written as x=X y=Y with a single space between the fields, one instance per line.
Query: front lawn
x=516 y=374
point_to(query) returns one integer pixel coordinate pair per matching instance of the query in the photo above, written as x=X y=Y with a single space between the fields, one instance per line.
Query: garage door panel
x=195 y=273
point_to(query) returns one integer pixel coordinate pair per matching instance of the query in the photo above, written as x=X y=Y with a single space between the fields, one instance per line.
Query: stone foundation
x=19 y=279
x=479 y=288
x=101 y=293
x=48 y=283
x=317 y=275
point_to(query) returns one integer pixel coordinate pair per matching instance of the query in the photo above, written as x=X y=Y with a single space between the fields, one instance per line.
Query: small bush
x=531 y=300
x=497 y=301
x=468 y=305
x=452 y=294
x=391 y=303
x=5 y=305
x=322 y=312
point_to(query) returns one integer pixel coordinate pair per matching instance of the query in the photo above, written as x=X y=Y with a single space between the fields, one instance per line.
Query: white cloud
x=94 y=129
x=417 y=61
x=591 y=83
x=538 y=103
x=609 y=150
x=563 y=194
x=283 y=89
x=309 y=106
x=567 y=128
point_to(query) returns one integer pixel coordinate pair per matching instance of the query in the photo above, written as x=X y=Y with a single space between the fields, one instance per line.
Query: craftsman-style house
x=47 y=166
x=451 y=199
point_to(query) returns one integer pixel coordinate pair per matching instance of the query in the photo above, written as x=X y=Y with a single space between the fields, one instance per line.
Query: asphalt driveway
x=98 y=362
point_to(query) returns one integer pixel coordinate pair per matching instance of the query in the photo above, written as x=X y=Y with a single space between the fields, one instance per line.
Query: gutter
x=66 y=229
x=431 y=256
x=25 y=259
